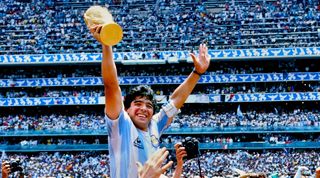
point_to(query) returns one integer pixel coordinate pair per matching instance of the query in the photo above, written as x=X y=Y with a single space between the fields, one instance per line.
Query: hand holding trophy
x=111 y=33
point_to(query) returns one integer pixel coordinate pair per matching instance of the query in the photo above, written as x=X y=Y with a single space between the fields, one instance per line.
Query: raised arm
x=113 y=98
x=201 y=65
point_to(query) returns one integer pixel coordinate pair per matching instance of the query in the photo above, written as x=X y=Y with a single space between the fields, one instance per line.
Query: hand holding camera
x=15 y=166
x=191 y=146
x=180 y=153
x=5 y=169
x=9 y=167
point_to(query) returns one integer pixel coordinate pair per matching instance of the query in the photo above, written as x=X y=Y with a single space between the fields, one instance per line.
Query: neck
x=145 y=129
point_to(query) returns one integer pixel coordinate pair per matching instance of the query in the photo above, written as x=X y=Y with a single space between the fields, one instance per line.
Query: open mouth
x=142 y=116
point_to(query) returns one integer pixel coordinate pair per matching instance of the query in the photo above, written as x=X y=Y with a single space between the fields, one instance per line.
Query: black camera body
x=15 y=166
x=191 y=146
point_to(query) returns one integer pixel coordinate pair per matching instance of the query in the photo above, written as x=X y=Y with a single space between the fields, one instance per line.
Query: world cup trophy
x=111 y=33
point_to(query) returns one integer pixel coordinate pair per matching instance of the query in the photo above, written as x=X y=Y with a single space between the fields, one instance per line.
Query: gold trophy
x=111 y=33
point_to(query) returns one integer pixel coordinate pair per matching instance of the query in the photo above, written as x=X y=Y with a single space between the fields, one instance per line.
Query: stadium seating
x=256 y=109
x=58 y=26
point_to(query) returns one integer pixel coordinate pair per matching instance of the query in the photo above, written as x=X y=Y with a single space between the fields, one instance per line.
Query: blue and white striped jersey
x=128 y=145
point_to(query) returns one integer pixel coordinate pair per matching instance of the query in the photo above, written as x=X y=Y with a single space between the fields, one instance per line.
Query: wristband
x=196 y=72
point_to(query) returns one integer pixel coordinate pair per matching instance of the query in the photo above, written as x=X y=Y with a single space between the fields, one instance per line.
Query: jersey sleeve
x=163 y=118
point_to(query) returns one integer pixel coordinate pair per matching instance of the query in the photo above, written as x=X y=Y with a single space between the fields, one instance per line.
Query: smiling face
x=141 y=111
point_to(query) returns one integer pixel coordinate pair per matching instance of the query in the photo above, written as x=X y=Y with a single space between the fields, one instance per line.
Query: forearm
x=108 y=67
x=317 y=173
x=181 y=93
x=177 y=173
x=4 y=175
x=113 y=98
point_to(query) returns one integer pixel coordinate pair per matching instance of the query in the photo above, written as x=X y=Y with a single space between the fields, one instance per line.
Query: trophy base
x=111 y=34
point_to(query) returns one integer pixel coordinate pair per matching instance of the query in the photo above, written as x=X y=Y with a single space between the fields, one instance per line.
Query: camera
x=15 y=166
x=191 y=146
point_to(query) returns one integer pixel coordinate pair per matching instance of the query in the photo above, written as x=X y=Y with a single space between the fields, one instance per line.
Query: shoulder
x=122 y=118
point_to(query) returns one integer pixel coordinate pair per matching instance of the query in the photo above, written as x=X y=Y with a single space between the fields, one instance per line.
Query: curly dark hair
x=140 y=91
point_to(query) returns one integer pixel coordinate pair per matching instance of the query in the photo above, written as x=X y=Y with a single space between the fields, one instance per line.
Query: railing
x=242 y=129
x=253 y=145
x=171 y=131
x=170 y=56
x=202 y=146
x=67 y=147
x=32 y=133
x=161 y=80
x=200 y=98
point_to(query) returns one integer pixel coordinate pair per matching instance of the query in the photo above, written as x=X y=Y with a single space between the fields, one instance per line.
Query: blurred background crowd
x=70 y=141
x=44 y=27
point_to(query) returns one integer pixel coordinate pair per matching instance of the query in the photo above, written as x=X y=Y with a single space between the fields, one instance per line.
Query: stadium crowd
x=58 y=27
x=251 y=119
x=277 y=138
x=53 y=122
x=281 y=163
x=45 y=27
x=208 y=119
x=166 y=140
x=217 y=68
x=159 y=90
x=26 y=142
x=59 y=165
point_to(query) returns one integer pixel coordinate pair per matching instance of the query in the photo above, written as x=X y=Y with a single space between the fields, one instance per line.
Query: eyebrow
x=143 y=101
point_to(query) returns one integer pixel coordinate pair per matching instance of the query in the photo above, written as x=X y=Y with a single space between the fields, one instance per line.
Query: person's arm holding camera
x=5 y=168
x=180 y=154
x=317 y=173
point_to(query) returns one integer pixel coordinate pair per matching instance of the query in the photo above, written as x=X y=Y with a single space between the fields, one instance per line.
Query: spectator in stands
x=300 y=171
x=6 y=170
x=281 y=163
x=133 y=131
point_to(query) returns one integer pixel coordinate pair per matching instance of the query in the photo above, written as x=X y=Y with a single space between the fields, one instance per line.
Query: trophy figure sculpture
x=111 y=33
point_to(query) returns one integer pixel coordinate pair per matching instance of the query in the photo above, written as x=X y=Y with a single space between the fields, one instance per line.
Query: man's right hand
x=95 y=31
